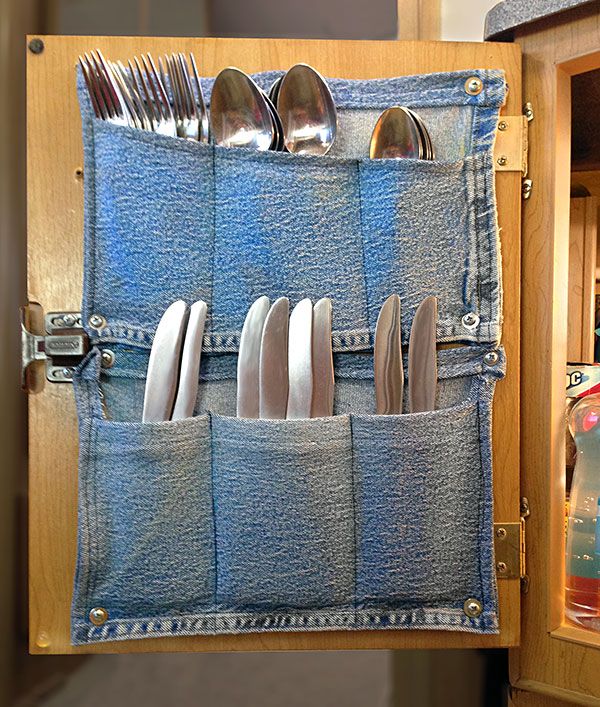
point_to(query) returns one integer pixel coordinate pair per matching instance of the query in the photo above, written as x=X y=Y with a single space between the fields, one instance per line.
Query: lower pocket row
x=218 y=515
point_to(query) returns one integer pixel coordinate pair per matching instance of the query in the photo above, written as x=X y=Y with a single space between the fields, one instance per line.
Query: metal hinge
x=511 y=146
x=62 y=347
x=509 y=547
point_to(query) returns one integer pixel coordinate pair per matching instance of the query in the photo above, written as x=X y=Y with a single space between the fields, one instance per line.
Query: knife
x=389 y=373
x=273 y=367
x=189 y=370
x=163 y=366
x=422 y=357
x=300 y=374
x=322 y=360
x=249 y=359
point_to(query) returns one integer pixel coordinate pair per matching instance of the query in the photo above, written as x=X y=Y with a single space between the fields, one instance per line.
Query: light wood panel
x=54 y=279
x=582 y=280
x=552 y=51
x=419 y=19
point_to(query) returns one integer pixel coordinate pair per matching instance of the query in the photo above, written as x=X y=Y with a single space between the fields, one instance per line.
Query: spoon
x=396 y=135
x=239 y=114
x=307 y=111
x=425 y=137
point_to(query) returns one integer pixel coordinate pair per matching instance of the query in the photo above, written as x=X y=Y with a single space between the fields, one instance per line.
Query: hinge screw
x=36 y=45
x=69 y=320
x=526 y=188
x=67 y=373
x=501 y=532
x=502 y=160
x=503 y=125
x=501 y=567
x=528 y=112
x=96 y=321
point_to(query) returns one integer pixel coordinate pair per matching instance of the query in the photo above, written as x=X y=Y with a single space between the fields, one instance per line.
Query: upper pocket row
x=169 y=219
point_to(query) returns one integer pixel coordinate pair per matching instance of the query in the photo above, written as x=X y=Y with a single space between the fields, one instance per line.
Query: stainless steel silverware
x=422 y=357
x=300 y=373
x=389 y=371
x=189 y=369
x=273 y=369
x=322 y=359
x=396 y=135
x=248 y=389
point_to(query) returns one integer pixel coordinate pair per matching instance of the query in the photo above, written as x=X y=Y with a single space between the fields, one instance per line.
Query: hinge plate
x=61 y=348
x=509 y=547
x=511 y=146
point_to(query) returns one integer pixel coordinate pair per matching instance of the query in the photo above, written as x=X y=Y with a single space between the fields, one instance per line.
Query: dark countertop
x=506 y=16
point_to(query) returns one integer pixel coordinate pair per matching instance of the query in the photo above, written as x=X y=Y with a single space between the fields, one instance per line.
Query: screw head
x=501 y=533
x=502 y=160
x=36 y=45
x=470 y=320
x=98 y=616
x=473 y=86
x=501 y=567
x=67 y=373
x=503 y=125
x=108 y=358
x=97 y=321
x=69 y=320
x=472 y=608
x=491 y=358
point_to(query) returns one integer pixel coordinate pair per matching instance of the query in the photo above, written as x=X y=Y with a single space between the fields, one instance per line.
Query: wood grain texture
x=551 y=53
x=419 y=19
x=582 y=280
x=55 y=277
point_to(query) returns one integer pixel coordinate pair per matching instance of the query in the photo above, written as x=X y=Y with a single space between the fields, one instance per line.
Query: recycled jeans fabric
x=222 y=525
x=166 y=218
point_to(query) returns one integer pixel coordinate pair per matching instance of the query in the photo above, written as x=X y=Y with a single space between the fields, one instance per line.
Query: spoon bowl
x=395 y=136
x=239 y=114
x=307 y=111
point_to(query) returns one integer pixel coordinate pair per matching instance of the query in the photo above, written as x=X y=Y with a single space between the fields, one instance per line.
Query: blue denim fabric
x=218 y=525
x=166 y=219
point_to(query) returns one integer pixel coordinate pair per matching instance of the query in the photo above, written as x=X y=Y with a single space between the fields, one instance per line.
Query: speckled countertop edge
x=510 y=14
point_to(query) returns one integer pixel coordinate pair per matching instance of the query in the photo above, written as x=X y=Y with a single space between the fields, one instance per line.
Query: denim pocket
x=420 y=520
x=283 y=513
x=423 y=234
x=281 y=224
x=146 y=533
x=149 y=214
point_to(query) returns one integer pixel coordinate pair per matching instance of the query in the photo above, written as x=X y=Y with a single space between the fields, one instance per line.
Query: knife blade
x=422 y=357
x=273 y=368
x=322 y=360
x=249 y=359
x=189 y=371
x=389 y=372
x=163 y=365
x=300 y=374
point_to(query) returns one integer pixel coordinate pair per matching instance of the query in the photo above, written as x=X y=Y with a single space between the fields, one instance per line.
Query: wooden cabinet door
x=556 y=660
x=55 y=199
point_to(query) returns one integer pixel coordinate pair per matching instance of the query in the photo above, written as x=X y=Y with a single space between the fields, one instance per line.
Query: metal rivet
x=470 y=320
x=503 y=125
x=473 y=86
x=472 y=608
x=491 y=358
x=108 y=358
x=501 y=567
x=97 y=321
x=501 y=532
x=98 y=615
x=36 y=45
x=502 y=160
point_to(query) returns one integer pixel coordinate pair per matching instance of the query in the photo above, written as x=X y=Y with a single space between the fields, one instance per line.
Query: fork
x=106 y=96
x=189 y=111
x=154 y=95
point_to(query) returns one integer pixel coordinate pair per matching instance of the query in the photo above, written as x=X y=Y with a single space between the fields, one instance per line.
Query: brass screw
x=503 y=125
x=473 y=86
x=502 y=160
x=98 y=616
x=501 y=567
x=501 y=533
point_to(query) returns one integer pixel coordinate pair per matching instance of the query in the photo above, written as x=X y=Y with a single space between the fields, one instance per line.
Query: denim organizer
x=222 y=525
